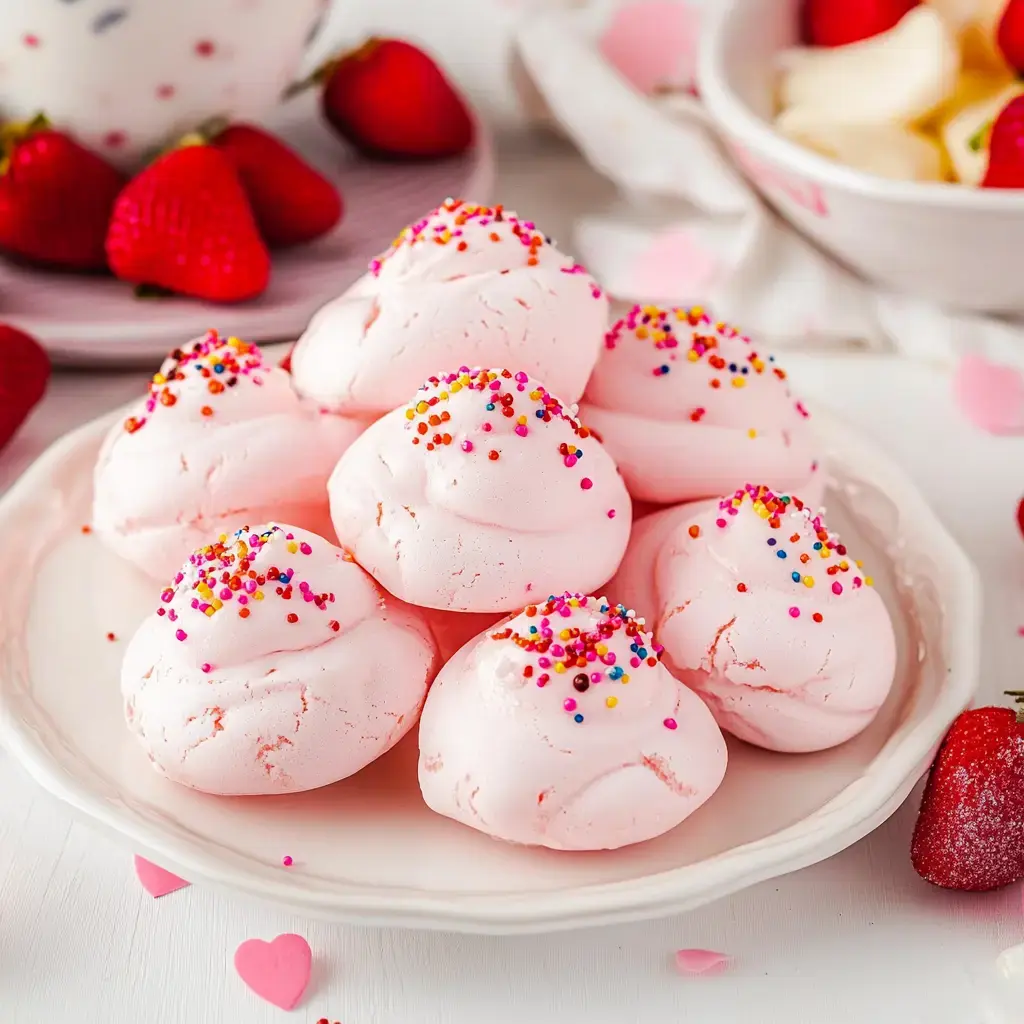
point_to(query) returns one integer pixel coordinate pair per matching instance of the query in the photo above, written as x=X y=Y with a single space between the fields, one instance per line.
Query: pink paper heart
x=276 y=971
x=990 y=395
x=700 y=961
x=155 y=880
x=653 y=44
x=674 y=269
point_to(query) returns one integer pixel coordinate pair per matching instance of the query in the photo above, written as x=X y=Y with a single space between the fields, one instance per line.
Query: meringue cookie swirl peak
x=273 y=664
x=220 y=436
x=691 y=408
x=562 y=729
x=763 y=611
x=465 y=284
x=482 y=492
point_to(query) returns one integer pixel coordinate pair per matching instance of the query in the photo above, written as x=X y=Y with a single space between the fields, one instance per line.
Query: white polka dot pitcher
x=126 y=76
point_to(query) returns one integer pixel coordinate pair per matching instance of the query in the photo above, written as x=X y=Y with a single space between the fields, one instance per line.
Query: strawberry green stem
x=1018 y=698
x=320 y=76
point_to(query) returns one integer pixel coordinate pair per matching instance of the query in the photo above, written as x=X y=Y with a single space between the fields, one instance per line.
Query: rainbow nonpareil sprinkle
x=221 y=362
x=583 y=656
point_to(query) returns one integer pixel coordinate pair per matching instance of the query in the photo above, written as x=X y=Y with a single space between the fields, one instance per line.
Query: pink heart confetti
x=700 y=961
x=653 y=44
x=155 y=880
x=276 y=971
x=674 y=269
x=990 y=395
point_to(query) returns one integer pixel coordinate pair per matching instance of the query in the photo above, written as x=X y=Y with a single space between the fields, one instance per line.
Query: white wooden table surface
x=856 y=939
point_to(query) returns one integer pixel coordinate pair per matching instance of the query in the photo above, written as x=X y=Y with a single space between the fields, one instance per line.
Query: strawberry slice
x=1006 y=148
x=55 y=198
x=186 y=225
x=293 y=203
x=24 y=371
x=970 y=830
x=1010 y=34
x=841 y=22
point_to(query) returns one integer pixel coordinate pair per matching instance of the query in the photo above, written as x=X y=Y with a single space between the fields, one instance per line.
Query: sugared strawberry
x=390 y=100
x=24 y=371
x=55 y=198
x=185 y=224
x=1006 y=148
x=1010 y=34
x=840 y=22
x=970 y=830
x=292 y=202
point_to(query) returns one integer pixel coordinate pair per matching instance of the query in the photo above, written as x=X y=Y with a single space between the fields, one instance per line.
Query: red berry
x=292 y=202
x=970 y=830
x=24 y=371
x=55 y=200
x=185 y=224
x=1020 y=514
x=840 y=22
x=389 y=99
x=286 y=363
x=1010 y=34
x=1006 y=148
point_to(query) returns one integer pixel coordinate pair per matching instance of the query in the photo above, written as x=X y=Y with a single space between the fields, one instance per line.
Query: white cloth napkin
x=690 y=229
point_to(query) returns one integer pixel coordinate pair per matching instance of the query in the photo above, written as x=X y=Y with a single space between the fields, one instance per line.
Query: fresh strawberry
x=390 y=100
x=970 y=830
x=1010 y=34
x=840 y=22
x=185 y=224
x=286 y=365
x=1006 y=148
x=292 y=202
x=1020 y=507
x=55 y=198
x=24 y=371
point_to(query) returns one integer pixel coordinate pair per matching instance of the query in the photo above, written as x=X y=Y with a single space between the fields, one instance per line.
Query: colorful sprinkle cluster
x=691 y=331
x=504 y=394
x=220 y=362
x=221 y=576
x=582 y=656
x=783 y=512
x=447 y=226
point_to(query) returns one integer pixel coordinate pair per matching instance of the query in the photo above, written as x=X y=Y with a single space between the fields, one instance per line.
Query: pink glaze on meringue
x=273 y=664
x=561 y=729
x=690 y=408
x=466 y=284
x=763 y=612
x=482 y=494
x=220 y=438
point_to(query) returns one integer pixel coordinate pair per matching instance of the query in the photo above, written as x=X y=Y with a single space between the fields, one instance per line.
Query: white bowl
x=959 y=246
x=367 y=848
x=126 y=78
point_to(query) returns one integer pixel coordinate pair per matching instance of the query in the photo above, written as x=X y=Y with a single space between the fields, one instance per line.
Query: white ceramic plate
x=367 y=849
x=87 y=320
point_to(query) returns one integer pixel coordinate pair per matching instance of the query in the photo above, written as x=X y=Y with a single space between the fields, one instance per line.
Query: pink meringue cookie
x=466 y=284
x=481 y=495
x=220 y=438
x=273 y=665
x=690 y=408
x=521 y=741
x=764 y=614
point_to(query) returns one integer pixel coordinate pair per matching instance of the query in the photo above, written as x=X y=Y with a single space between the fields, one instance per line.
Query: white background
x=857 y=939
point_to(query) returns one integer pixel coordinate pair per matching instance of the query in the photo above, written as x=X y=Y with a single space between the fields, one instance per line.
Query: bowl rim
x=736 y=118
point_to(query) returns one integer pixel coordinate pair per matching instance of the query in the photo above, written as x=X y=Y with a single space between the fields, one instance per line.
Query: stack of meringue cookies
x=423 y=468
